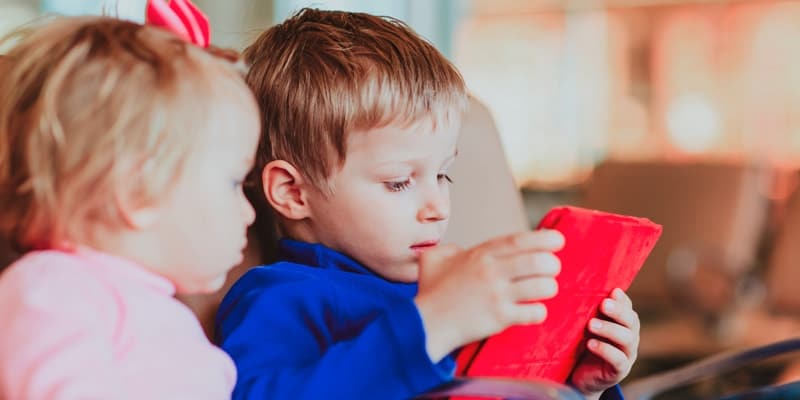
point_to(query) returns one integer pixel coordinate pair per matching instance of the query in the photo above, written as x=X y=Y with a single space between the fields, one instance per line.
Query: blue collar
x=319 y=256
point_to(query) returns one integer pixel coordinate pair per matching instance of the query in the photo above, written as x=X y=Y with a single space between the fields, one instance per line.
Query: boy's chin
x=404 y=273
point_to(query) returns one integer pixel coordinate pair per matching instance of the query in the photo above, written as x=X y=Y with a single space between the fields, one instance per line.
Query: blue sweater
x=319 y=325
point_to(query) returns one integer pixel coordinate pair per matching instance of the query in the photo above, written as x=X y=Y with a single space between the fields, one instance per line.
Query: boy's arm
x=282 y=343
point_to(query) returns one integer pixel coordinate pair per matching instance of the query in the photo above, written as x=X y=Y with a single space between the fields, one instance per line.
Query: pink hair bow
x=180 y=17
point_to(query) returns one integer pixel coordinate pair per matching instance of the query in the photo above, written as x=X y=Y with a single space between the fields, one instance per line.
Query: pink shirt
x=88 y=325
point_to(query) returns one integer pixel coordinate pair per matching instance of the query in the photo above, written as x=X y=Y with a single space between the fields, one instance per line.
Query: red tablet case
x=602 y=251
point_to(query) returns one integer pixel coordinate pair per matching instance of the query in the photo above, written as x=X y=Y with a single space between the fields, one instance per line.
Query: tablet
x=602 y=251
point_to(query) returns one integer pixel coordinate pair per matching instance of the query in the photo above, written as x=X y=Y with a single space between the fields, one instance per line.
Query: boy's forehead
x=430 y=125
x=400 y=142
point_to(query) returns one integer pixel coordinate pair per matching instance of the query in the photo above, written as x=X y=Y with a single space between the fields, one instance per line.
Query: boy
x=361 y=119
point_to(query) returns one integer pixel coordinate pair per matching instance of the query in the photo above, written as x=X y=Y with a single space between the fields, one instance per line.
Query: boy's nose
x=436 y=208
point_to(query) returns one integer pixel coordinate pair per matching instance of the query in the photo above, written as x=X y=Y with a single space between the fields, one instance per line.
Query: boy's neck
x=299 y=230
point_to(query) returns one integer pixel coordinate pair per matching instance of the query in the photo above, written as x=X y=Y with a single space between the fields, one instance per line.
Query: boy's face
x=391 y=197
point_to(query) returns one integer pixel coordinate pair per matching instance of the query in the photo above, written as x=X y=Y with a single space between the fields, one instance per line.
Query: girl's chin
x=205 y=287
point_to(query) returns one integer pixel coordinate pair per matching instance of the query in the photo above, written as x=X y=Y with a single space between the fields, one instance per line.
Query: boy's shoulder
x=274 y=288
x=279 y=280
x=295 y=274
x=277 y=274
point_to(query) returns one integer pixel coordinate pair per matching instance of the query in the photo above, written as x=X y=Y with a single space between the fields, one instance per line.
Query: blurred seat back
x=485 y=202
x=711 y=212
x=783 y=268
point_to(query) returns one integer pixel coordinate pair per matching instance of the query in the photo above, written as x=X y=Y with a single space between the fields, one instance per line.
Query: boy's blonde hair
x=321 y=75
x=95 y=111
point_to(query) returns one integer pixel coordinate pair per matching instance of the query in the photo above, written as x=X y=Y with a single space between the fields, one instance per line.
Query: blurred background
x=683 y=111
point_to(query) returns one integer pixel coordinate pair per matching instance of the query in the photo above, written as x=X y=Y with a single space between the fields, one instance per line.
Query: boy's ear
x=285 y=190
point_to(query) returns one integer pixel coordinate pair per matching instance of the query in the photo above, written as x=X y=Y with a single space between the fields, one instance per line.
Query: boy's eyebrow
x=391 y=162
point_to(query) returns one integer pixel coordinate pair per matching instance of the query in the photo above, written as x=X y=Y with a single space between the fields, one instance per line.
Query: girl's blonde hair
x=94 y=111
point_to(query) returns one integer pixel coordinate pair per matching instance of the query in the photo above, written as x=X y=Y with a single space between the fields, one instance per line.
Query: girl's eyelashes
x=397 y=186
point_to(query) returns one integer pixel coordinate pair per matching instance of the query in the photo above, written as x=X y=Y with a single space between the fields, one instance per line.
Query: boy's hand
x=610 y=357
x=466 y=295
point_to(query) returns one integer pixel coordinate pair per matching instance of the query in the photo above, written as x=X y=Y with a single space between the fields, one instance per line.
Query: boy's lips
x=423 y=246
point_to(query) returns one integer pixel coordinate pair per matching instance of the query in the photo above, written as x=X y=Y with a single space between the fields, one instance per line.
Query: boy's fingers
x=533 y=289
x=621 y=314
x=533 y=264
x=541 y=240
x=531 y=313
x=620 y=295
x=623 y=337
x=610 y=354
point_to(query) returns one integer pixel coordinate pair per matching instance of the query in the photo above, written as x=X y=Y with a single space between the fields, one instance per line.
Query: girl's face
x=202 y=228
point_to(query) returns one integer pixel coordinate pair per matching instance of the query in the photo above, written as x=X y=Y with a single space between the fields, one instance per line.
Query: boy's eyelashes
x=397 y=186
x=400 y=185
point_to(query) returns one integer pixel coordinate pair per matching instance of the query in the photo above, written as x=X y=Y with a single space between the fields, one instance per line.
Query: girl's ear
x=135 y=216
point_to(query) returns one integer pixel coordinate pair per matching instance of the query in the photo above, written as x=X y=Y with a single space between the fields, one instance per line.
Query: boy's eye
x=397 y=186
x=444 y=177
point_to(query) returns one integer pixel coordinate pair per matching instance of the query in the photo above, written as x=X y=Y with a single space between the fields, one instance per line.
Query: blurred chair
x=714 y=217
x=485 y=201
x=769 y=332
x=712 y=213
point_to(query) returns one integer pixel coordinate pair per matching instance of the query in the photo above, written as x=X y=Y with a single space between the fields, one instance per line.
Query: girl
x=122 y=152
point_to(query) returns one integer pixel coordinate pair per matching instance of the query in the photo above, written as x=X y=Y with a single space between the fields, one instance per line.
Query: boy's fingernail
x=609 y=305
x=595 y=324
